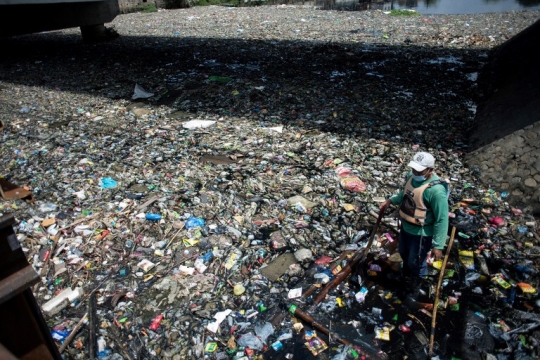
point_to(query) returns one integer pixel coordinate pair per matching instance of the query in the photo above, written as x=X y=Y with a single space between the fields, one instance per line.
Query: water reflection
x=432 y=6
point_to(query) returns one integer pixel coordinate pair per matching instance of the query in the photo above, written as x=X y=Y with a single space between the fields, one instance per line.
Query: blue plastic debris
x=59 y=335
x=155 y=217
x=193 y=222
x=108 y=183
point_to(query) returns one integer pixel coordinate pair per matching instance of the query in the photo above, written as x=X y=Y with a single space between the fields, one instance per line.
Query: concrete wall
x=506 y=138
x=127 y=6
x=31 y=18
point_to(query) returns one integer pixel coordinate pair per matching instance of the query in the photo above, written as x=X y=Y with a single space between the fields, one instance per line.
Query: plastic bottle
x=153 y=217
x=101 y=344
x=62 y=300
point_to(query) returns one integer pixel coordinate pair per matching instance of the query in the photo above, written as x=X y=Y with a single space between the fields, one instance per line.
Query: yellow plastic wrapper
x=190 y=242
x=466 y=257
x=382 y=333
x=526 y=288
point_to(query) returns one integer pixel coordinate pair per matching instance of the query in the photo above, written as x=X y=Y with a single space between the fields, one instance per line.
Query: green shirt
x=436 y=200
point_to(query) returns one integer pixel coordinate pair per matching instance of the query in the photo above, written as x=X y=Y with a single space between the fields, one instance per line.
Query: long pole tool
x=357 y=259
x=436 y=305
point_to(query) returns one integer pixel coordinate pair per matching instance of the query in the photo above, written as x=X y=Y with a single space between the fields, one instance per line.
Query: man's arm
x=397 y=198
x=439 y=205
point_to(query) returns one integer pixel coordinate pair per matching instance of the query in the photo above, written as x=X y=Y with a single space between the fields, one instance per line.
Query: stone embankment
x=512 y=164
x=508 y=120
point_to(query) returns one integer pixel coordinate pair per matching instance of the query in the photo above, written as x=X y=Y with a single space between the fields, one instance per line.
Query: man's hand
x=385 y=205
x=436 y=254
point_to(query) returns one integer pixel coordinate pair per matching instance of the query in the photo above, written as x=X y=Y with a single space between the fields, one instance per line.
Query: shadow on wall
x=511 y=83
x=506 y=135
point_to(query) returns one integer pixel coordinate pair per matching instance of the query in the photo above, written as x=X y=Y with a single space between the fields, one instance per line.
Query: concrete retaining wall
x=127 y=6
x=506 y=138
x=32 y=18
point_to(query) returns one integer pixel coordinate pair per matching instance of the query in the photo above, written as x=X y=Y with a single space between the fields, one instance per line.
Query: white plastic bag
x=140 y=93
x=197 y=124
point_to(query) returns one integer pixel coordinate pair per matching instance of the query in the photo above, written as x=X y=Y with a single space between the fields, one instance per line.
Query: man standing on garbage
x=423 y=210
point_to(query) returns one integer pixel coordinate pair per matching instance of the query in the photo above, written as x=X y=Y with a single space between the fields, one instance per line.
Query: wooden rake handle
x=436 y=304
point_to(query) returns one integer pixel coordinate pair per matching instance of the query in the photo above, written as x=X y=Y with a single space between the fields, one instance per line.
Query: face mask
x=419 y=178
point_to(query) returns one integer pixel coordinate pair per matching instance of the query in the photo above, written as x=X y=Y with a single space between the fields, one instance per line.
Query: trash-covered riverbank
x=196 y=176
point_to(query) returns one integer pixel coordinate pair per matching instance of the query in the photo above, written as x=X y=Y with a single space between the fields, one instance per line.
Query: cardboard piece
x=9 y=191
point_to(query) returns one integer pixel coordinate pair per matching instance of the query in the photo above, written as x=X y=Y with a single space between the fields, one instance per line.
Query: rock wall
x=506 y=138
x=512 y=164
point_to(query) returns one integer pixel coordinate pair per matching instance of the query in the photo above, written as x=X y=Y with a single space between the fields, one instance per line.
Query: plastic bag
x=343 y=171
x=304 y=203
x=108 y=183
x=48 y=207
x=140 y=93
x=353 y=184
x=193 y=222
x=251 y=341
x=264 y=331
x=196 y=124
x=349 y=181
x=470 y=277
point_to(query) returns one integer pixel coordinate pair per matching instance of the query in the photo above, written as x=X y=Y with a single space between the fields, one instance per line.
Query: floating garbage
x=196 y=124
x=182 y=220
x=140 y=93
x=108 y=183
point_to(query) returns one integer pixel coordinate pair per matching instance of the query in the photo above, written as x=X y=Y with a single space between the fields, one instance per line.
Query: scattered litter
x=251 y=178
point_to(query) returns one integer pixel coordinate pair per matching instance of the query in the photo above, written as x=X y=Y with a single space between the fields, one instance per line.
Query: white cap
x=421 y=161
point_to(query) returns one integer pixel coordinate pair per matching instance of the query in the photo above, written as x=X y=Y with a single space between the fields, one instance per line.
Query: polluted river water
x=195 y=177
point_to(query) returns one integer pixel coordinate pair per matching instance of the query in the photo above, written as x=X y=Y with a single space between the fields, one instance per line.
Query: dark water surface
x=437 y=6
